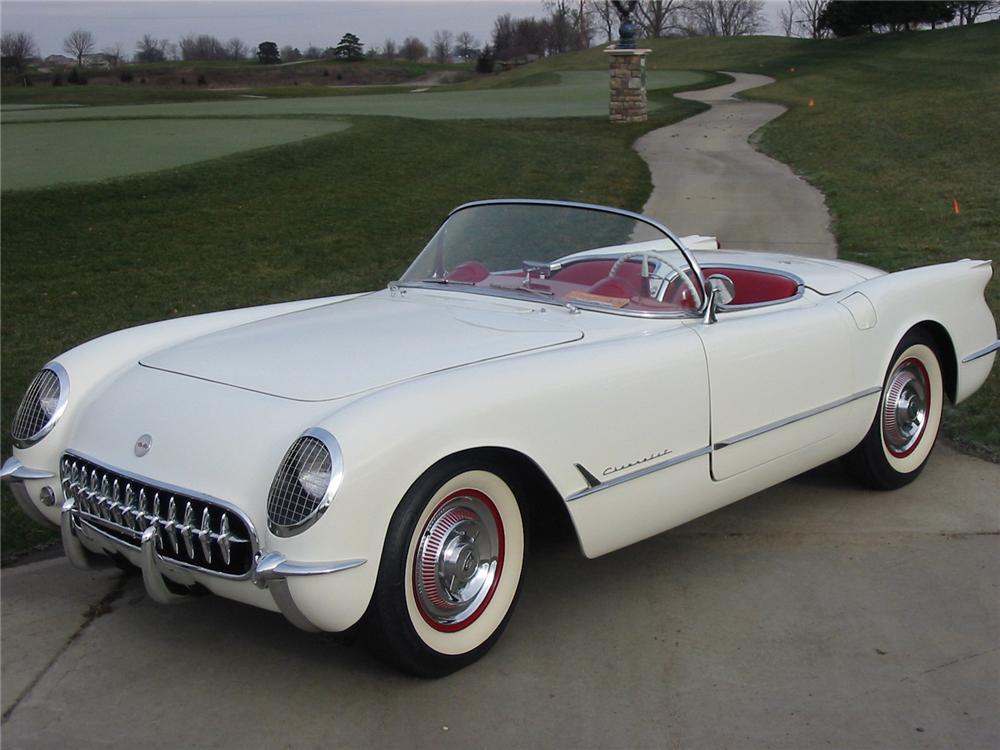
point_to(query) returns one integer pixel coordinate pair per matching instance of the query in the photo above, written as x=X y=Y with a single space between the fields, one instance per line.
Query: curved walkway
x=708 y=179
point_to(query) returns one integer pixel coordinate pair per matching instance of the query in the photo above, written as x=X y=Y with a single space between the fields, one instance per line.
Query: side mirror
x=721 y=291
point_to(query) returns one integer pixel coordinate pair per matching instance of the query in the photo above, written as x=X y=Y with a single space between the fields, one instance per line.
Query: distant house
x=59 y=60
x=100 y=60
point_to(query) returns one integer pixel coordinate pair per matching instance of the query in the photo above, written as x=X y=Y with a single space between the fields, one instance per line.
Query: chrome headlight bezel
x=291 y=464
x=26 y=441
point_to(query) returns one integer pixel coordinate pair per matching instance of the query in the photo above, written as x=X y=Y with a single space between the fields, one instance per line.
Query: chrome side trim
x=640 y=473
x=982 y=352
x=796 y=418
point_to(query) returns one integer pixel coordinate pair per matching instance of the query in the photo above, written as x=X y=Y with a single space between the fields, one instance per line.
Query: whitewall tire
x=451 y=568
x=906 y=425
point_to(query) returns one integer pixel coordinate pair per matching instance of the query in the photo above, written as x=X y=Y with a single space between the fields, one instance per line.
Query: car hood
x=344 y=348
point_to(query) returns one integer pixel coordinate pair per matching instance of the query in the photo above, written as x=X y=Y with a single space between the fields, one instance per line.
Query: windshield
x=563 y=253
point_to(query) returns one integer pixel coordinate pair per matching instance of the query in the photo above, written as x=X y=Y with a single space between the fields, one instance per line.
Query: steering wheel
x=623 y=259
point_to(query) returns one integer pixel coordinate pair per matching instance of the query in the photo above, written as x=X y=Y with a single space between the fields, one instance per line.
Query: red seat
x=471 y=271
x=754 y=287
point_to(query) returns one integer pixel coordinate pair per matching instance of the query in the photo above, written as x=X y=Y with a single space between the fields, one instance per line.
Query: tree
x=203 y=47
x=466 y=46
x=606 y=15
x=969 y=12
x=267 y=53
x=114 y=54
x=290 y=54
x=853 y=18
x=787 y=18
x=149 y=49
x=389 y=50
x=17 y=47
x=725 y=17
x=809 y=13
x=413 y=49
x=78 y=44
x=560 y=37
x=657 y=18
x=237 y=49
x=312 y=52
x=441 y=45
x=350 y=47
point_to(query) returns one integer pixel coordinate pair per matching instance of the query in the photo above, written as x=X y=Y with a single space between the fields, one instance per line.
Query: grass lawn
x=334 y=214
x=901 y=126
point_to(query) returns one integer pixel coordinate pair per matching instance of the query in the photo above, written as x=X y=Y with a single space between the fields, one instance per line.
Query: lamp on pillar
x=628 y=70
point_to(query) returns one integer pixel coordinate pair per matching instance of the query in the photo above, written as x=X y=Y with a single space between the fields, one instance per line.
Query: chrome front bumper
x=88 y=546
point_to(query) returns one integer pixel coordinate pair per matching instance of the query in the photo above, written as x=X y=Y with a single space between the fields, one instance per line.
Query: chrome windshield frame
x=688 y=255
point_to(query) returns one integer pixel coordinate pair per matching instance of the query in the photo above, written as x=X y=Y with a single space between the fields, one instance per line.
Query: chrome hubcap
x=905 y=409
x=458 y=560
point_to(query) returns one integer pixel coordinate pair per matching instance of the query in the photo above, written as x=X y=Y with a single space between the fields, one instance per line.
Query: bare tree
x=786 y=17
x=441 y=45
x=203 y=47
x=79 y=43
x=809 y=13
x=606 y=16
x=725 y=17
x=237 y=49
x=466 y=45
x=389 y=50
x=18 y=46
x=114 y=54
x=969 y=12
x=658 y=18
x=149 y=49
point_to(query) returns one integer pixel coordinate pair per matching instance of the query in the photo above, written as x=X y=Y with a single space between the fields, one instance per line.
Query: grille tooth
x=205 y=535
x=123 y=507
x=171 y=525
x=186 y=531
x=143 y=510
x=224 y=539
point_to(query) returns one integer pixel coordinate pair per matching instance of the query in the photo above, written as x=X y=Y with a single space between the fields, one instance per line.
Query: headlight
x=41 y=406
x=306 y=482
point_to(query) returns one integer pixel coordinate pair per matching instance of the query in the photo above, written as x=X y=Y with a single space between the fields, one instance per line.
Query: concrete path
x=708 y=179
x=814 y=614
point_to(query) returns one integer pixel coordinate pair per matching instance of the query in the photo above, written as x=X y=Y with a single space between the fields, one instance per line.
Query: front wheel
x=901 y=437
x=450 y=571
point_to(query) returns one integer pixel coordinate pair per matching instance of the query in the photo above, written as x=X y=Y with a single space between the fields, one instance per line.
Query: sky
x=291 y=22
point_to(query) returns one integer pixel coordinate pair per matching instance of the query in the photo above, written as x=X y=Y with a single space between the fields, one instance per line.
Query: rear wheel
x=904 y=430
x=451 y=569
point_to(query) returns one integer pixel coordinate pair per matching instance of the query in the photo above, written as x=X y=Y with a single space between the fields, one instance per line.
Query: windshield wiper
x=546 y=293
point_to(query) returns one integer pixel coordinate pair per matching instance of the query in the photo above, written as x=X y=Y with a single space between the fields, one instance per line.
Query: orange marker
x=812 y=103
x=955 y=207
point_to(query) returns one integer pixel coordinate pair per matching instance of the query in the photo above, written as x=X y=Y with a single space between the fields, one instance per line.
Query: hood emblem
x=142 y=445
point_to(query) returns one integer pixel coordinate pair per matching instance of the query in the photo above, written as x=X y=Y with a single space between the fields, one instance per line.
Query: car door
x=776 y=376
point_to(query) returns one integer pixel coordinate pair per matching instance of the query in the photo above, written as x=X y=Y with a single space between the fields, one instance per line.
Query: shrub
x=125 y=77
x=340 y=76
x=184 y=81
x=57 y=79
x=201 y=80
x=75 y=76
x=326 y=73
x=142 y=80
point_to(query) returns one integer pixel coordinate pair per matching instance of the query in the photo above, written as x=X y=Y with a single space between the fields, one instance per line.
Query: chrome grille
x=30 y=418
x=288 y=503
x=192 y=530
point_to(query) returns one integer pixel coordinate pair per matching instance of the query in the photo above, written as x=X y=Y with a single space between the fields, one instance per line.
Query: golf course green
x=46 y=153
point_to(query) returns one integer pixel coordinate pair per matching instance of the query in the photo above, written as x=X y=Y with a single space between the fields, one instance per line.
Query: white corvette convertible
x=376 y=458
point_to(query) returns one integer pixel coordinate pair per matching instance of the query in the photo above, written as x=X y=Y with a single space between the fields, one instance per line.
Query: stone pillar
x=628 y=84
